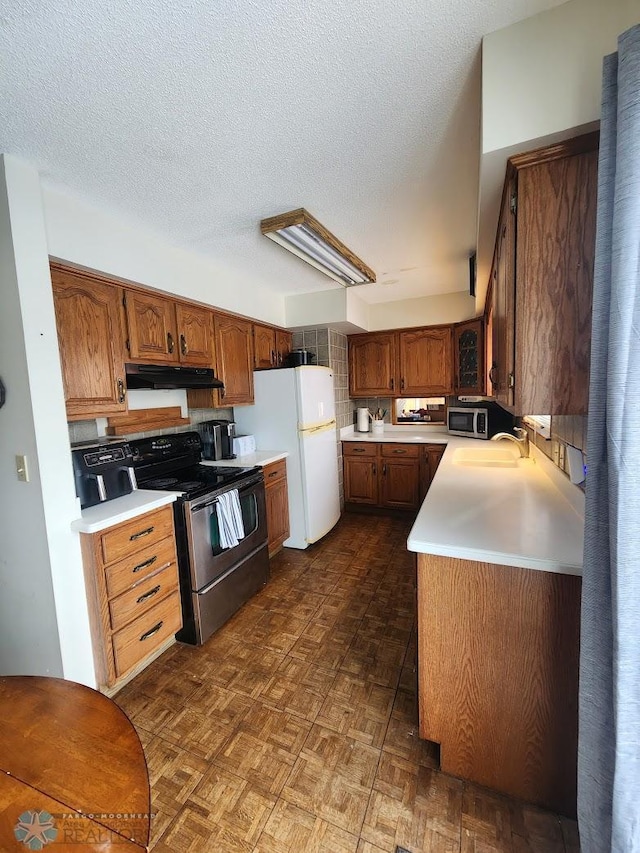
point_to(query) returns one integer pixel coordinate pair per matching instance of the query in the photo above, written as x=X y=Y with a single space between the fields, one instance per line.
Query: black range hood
x=167 y=376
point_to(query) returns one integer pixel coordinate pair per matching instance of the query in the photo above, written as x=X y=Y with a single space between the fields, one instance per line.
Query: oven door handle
x=247 y=489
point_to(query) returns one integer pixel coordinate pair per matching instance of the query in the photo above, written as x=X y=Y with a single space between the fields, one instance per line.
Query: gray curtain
x=609 y=732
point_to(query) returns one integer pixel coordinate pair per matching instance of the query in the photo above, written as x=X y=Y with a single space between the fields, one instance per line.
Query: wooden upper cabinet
x=468 y=357
x=283 y=346
x=264 y=347
x=195 y=335
x=89 y=320
x=543 y=264
x=234 y=347
x=425 y=357
x=153 y=334
x=372 y=364
x=163 y=330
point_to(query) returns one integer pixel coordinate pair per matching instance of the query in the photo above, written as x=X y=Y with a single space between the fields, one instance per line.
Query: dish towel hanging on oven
x=229 y=518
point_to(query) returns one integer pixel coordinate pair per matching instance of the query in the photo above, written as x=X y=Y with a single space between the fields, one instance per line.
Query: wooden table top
x=70 y=752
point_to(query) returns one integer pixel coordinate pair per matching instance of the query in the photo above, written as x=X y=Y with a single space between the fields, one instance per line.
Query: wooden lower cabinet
x=131 y=574
x=382 y=474
x=498 y=651
x=277 y=500
x=430 y=456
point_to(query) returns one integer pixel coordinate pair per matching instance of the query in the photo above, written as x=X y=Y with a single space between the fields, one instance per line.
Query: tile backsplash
x=565 y=430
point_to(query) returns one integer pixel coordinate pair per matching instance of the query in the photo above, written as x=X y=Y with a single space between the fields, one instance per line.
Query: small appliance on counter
x=103 y=472
x=217 y=439
x=478 y=422
x=363 y=420
x=243 y=445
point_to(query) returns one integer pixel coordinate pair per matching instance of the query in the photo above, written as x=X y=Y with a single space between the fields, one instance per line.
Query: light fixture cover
x=298 y=232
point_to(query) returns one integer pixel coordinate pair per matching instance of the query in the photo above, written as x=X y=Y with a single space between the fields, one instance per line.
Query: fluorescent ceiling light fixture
x=298 y=232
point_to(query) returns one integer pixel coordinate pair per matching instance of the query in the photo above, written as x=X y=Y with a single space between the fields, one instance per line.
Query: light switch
x=21 y=469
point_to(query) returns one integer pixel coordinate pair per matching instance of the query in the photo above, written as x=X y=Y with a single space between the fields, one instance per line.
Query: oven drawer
x=136 y=534
x=139 y=639
x=140 y=565
x=134 y=602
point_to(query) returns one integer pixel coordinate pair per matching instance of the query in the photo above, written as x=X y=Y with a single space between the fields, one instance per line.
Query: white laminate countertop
x=529 y=516
x=399 y=435
x=96 y=518
x=249 y=460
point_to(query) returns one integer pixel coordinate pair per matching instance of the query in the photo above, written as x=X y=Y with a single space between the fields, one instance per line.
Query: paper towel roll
x=363 y=420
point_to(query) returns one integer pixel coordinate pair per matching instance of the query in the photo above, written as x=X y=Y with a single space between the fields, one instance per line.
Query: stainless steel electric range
x=214 y=581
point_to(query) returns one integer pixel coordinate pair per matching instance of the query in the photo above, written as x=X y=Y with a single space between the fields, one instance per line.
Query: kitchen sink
x=488 y=457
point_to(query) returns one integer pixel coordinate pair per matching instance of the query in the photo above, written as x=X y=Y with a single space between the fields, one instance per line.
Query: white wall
x=425 y=311
x=84 y=235
x=543 y=75
x=43 y=613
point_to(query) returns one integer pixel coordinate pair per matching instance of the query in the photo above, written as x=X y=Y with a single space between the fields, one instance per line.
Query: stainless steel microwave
x=480 y=422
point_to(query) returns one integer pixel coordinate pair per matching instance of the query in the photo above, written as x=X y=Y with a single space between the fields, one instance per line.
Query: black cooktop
x=196 y=480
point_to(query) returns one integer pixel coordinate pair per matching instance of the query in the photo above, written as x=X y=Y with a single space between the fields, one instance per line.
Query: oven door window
x=249 y=508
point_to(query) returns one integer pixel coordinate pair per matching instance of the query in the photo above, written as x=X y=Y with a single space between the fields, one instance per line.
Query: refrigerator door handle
x=321 y=428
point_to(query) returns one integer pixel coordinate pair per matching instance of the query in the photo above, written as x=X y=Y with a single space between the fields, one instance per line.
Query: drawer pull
x=149 y=594
x=142 y=533
x=144 y=565
x=152 y=631
x=399 y=451
x=358 y=449
x=274 y=474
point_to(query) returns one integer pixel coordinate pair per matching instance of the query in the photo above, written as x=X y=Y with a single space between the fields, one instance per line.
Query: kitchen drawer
x=133 y=568
x=136 y=601
x=132 y=536
x=359 y=448
x=400 y=451
x=275 y=471
x=143 y=636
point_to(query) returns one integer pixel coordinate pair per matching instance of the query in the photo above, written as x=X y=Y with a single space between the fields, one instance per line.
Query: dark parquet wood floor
x=294 y=729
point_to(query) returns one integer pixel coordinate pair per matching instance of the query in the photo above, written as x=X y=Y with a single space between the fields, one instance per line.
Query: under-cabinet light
x=299 y=233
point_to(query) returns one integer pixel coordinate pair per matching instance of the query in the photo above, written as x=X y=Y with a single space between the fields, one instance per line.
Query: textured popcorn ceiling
x=198 y=118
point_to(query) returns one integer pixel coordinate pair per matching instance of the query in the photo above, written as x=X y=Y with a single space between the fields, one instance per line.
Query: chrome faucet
x=521 y=438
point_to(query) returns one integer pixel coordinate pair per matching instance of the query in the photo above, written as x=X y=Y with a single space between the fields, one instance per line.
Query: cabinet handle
x=121 y=391
x=142 y=533
x=273 y=357
x=512 y=380
x=184 y=349
x=375 y=468
x=149 y=594
x=402 y=384
x=151 y=631
x=279 y=359
x=273 y=474
x=144 y=565
x=399 y=451
x=384 y=470
x=170 y=343
x=492 y=375
x=358 y=449
x=391 y=383
x=221 y=391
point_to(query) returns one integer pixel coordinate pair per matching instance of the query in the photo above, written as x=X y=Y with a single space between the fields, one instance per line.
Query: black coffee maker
x=103 y=472
x=217 y=439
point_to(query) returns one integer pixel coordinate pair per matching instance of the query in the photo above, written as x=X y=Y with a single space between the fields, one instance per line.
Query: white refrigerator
x=295 y=411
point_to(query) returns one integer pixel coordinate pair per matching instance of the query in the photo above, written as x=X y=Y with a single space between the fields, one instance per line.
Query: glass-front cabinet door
x=468 y=347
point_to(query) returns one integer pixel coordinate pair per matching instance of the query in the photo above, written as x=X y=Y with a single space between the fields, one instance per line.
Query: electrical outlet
x=21 y=469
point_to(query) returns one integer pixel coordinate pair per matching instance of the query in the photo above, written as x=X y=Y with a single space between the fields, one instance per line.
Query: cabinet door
x=283 y=346
x=277 y=514
x=152 y=327
x=89 y=320
x=429 y=460
x=195 y=335
x=372 y=365
x=503 y=349
x=555 y=221
x=468 y=353
x=400 y=483
x=361 y=480
x=235 y=359
x=264 y=347
x=425 y=357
